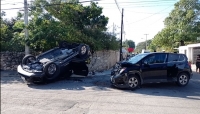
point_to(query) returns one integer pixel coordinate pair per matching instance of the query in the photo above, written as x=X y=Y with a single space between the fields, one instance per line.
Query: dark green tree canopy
x=182 y=24
x=129 y=44
x=51 y=21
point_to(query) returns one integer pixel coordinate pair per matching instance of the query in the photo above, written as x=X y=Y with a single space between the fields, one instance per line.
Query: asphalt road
x=94 y=95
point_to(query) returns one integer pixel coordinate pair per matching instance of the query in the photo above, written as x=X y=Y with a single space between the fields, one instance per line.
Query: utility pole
x=146 y=42
x=26 y=24
x=113 y=29
x=121 y=54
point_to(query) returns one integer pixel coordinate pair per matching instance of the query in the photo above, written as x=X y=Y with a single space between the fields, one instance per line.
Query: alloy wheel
x=52 y=69
x=133 y=82
x=183 y=79
x=83 y=50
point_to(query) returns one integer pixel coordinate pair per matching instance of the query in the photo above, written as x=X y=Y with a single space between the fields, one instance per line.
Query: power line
x=141 y=2
x=13 y=8
x=149 y=16
x=47 y=5
x=117 y=6
x=144 y=12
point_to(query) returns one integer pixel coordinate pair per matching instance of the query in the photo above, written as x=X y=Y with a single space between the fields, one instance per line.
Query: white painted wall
x=189 y=51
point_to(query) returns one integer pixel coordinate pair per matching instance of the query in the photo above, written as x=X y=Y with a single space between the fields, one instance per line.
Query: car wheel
x=28 y=59
x=83 y=50
x=182 y=79
x=52 y=71
x=133 y=82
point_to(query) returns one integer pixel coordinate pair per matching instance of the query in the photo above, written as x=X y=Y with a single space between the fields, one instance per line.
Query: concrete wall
x=191 y=51
x=101 y=60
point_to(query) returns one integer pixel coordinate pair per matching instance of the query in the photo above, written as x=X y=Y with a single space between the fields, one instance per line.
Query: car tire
x=28 y=59
x=133 y=82
x=182 y=79
x=52 y=71
x=82 y=51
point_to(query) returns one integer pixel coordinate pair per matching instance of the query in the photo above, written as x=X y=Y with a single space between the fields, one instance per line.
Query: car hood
x=127 y=64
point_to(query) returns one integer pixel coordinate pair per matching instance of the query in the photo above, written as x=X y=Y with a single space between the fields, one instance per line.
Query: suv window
x=181 y=58
x=156 y=58
x=150 y=59
x=160 y=58
x=173 y=57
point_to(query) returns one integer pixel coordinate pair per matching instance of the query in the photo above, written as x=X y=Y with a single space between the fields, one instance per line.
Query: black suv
x=152 y=68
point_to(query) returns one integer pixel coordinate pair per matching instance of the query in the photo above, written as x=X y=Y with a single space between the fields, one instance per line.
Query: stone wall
x=101 y=60
x=10 y=60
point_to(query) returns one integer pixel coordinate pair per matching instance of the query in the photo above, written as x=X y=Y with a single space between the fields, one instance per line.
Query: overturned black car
x=65 y=60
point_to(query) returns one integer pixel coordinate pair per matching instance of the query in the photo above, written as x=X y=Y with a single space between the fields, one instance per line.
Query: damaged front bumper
x=118 y=81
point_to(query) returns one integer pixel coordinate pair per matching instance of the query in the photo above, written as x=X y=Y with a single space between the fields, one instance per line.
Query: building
x=191 y=51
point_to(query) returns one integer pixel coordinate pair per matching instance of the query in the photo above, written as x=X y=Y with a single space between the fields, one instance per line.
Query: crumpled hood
x=127 y=64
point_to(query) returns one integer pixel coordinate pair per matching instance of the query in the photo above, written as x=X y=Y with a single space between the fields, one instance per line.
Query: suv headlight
x=122 y=70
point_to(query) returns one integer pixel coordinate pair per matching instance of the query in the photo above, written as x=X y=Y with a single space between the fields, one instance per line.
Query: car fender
x=136 y=72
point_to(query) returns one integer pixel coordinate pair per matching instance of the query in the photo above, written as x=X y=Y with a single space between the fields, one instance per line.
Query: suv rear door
x=175 y=63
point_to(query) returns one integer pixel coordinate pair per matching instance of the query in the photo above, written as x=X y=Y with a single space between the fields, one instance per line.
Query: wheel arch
x=137 y=73
x=186 y=72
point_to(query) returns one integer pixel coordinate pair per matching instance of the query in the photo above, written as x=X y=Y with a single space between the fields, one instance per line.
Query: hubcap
x=133 y=82
x=183 y=79
x=83 y=50
x=52 y=69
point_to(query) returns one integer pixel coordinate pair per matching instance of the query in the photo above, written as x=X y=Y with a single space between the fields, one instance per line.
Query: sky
x=143 y=19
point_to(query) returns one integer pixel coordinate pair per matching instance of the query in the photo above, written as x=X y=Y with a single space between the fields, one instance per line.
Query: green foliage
x=142 y=45
x=53 y=21
x=71 y=22
x=181 y=24
x=7 y=43
x=129 y=44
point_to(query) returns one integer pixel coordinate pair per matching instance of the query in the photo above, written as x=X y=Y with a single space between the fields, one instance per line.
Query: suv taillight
x=189 y=63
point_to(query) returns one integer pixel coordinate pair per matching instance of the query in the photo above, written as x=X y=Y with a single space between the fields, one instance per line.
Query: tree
x=129 y=45
x=8 y=40
x=51 y=21
x=55 y=20
x=182 y=24
x=142 y=45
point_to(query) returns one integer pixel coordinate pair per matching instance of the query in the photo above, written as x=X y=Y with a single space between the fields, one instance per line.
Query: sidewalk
x=193 y=67
x=8 y=73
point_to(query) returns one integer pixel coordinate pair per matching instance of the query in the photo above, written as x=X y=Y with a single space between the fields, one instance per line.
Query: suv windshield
x=137 y=58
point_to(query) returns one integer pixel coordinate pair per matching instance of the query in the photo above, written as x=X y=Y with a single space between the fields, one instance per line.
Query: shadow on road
x=191 y=91
x=8 y=77
x=102 y=83
x=76 y=83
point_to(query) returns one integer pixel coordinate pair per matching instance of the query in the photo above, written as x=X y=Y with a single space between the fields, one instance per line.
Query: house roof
x=194 y=45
